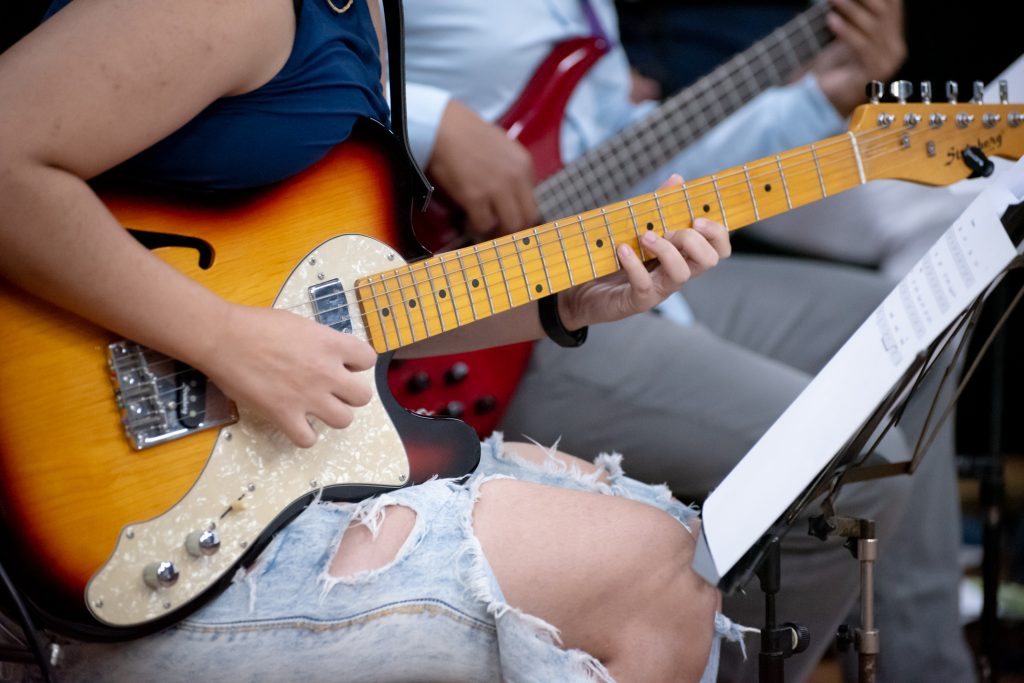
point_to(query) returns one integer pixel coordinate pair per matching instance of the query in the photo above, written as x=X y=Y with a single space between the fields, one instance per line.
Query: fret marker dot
x=385 y=312
x=476 y=283
x=442 y=294
x=650 y=226
x=526 y=240
x=412 y=303
x=707 y=208
x=600 y=243
x=767 y=187
x=539 y=288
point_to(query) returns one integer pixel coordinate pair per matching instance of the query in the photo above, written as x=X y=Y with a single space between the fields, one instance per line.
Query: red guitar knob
x=456 y=373
x=418 y=382
x=452 y=409
x=485 y=404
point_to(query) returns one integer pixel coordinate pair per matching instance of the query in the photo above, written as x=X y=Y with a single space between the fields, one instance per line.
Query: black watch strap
x=547 y=309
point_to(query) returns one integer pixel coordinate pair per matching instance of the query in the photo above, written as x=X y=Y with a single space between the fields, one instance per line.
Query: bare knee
x=617 y=577
x=371 y=543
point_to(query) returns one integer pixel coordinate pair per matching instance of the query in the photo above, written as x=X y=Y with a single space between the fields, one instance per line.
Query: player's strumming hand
x=287 y=369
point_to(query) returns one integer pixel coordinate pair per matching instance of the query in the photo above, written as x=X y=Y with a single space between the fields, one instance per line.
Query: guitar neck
x=432 y=296
x=605 y=172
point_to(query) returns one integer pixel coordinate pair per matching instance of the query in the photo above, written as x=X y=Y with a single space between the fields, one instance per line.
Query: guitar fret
x=761 y=52
x=817 y=167
x=418 y=304
x=433 y=291
x=586 y=243
x=565 y=254
x=636 y=229
x=750 y=188
x=380 y=315
x=721 y=206
x=856 y=155
x=785 y=185
x=469 y=293
x=689 y=205
x=394 y=313
x=543 y=262
x=483 y=278
x=661 y=215
x=504 y=276
x=611 y=238
x=805 y=29
x=522 y=267
x=451 y=292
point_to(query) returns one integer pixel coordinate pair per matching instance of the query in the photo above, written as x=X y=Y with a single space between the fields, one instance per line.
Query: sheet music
x=823 y=418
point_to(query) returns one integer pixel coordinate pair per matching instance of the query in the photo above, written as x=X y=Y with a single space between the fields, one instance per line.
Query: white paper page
x=839 y=400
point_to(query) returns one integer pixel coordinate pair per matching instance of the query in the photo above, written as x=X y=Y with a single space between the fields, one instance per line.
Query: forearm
x=516 y=325
x=58 y=241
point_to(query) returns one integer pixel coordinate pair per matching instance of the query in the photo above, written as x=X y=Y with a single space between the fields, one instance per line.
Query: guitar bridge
x=161 y=399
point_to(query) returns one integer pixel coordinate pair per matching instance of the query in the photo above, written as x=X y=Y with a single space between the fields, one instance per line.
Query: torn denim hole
x=520 y=632
x=370 y=513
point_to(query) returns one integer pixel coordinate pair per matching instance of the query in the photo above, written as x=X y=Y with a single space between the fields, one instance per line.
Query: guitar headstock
x=935 y=143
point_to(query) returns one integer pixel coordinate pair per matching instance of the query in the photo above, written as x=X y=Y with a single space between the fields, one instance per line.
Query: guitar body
x=84 y=512
x=477 y=386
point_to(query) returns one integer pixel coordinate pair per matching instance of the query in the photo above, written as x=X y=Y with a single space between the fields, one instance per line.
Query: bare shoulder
x=103 y=79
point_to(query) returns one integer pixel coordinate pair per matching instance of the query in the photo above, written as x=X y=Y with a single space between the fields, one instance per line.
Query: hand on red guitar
x=487 y=174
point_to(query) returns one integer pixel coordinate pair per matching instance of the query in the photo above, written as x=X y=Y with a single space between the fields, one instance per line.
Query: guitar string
x=804 y=168
x=705 y=189
x=409 y=328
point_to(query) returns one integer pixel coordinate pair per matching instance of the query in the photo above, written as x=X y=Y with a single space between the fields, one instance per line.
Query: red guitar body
x=478 y=386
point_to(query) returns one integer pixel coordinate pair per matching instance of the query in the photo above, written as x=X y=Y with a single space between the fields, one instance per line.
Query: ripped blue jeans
x=436 y=613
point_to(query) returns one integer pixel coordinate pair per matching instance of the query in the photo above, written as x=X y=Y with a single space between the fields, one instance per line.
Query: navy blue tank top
x=331 y=79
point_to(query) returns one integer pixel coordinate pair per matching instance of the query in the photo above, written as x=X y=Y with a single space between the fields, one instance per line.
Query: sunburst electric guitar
x=131 y=488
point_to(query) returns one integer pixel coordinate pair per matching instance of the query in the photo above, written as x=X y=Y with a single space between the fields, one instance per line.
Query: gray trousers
x=684 y=404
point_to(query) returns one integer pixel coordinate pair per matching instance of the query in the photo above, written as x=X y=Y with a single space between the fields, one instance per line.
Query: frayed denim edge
x=478 y=578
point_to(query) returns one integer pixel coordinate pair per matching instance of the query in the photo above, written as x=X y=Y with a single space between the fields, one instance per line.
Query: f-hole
x=158 y=240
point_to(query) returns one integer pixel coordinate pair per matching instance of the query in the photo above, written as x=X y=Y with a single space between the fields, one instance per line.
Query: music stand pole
x=862 y=542
x=777 y=642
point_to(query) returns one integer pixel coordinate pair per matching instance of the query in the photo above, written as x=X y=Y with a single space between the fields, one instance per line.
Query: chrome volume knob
x=202 y=543
x=159 y=575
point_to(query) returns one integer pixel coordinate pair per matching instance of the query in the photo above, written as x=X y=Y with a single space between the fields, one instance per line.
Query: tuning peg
x=1004 y=93
x=951 y=91
x=874 y=90
x=926 y=92
x=901 y=90
x=979 y=93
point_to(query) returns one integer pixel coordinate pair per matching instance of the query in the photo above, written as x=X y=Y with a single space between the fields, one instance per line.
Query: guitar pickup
x=330 y=305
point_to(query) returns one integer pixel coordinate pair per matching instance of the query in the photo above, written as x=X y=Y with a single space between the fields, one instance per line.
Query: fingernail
x=649 y=238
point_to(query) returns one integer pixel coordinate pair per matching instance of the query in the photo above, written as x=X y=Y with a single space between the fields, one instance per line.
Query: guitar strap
x=393 y=22
x=596 y=29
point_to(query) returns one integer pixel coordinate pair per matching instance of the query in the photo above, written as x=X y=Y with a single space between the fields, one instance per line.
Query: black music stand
x=852 y=463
